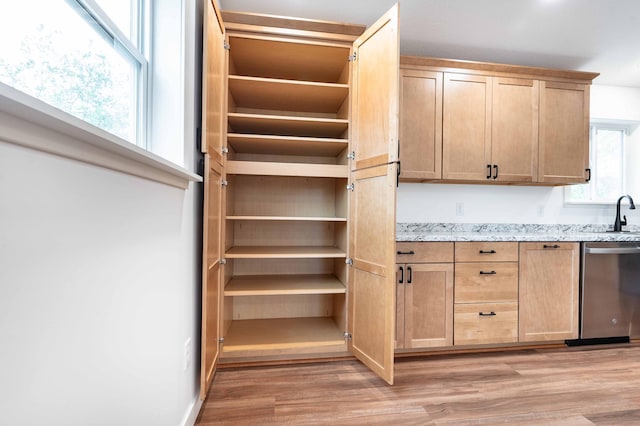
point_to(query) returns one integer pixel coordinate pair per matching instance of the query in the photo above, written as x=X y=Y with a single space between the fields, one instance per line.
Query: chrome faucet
x=618 y=224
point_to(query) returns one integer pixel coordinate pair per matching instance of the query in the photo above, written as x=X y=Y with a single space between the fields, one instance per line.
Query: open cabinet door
x=213 y=81
x=374 y=139
x=212 y=140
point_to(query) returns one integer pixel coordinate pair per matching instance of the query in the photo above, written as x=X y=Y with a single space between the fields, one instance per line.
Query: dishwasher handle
x=612 y=250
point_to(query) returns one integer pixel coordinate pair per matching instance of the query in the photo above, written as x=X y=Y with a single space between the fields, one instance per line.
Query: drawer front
x=486 y=251
x=412 y=252
x=486 y=282
x=485 y=323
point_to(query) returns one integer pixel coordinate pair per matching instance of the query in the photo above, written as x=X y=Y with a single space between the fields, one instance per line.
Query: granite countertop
x=510 y=232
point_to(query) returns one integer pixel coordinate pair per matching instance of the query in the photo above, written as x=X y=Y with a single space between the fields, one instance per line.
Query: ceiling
x=588 y=35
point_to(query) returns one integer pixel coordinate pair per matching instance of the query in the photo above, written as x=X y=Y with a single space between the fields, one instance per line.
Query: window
x=607 y=143
x=84 y=57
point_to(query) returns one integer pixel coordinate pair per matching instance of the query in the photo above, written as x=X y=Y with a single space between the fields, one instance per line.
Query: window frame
x=594 y=126
x=137 y=53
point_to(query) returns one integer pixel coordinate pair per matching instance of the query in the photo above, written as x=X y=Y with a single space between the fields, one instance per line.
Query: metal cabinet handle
x=487 y=252
x=406 y=252
x=401 y=276
x=490 y=314
x=488 y=171
x=488 y=272
x=410 y=270
x=547 y=246
x=495 y=169
x=588 y=174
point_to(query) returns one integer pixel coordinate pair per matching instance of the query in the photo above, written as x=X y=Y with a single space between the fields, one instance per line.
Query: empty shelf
x=263 y=168
x=286 y=145
x=265 y=285
x=289 y=218
x=284 y=252
x=287 y=125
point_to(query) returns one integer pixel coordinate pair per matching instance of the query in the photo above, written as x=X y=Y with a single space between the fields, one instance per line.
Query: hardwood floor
x=574 y=386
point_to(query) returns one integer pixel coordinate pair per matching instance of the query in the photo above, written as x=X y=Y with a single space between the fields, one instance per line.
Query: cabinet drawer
x=487 y=251
x=484 y=323
x=410 y=252
x=486 y=282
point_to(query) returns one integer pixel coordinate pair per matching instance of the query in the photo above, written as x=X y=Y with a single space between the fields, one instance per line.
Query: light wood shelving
x=282 y=333
x=286 y=145
x=287 y=125
x=287 y=95
x=284 y=252
x=267 y=285
x=289 y=218
x=286 y=207
x=286 y=169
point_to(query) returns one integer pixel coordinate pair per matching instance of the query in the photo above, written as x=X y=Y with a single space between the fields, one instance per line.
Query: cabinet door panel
x=428 y=305
x=372 y=279
x=400 y=282
x=514 y=129
x=211 y=290
x=466 y=127
x=564 y=132
x=549 y=283
x=376 y=93
x=214 y=67
x=374 y=139
x=420 y=124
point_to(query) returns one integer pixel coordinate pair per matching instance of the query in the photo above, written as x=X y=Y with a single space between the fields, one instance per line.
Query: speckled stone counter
x=510 y=232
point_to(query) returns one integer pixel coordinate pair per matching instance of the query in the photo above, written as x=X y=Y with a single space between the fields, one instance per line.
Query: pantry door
x=374 y=170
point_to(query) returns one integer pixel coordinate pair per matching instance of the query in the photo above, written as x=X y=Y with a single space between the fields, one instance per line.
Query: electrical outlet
x=459 y=209
x=188 y=354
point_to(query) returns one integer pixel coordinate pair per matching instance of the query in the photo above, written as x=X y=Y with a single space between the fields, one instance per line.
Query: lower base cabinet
x=424 y=297
x=492 y=293
x=549 y=287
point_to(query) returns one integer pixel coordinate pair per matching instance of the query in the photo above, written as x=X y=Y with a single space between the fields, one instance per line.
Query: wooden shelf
x=289 y=218
x=287 y=95
x=284 y=252
x=282 y=333
x=264 y=168
x=286 y=145
x=269 y=285
x=286 y=125
x=290 y=60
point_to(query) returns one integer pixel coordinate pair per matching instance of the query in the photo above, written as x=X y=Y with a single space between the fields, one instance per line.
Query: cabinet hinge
x=224 y=150
x=349 y=261
x=347 y=336
x=351 y=187
x=221 y=340
x=351 y=155
x=353 y=57
x=224 y=183
x=223 y=261
x=226 y=45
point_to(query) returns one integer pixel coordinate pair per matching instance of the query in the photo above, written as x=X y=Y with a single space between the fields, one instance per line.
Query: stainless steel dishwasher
x=610 y=305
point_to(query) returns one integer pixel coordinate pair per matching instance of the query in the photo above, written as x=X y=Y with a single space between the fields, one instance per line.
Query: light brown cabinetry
x=486 y=293
x=548 y=297
x=292 y=225
x=490 y=128
x=420 y=124
x=564 y=128
x=500 y=123
x=424 y=295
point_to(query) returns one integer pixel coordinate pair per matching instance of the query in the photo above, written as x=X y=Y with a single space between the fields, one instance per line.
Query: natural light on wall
x=83 y=57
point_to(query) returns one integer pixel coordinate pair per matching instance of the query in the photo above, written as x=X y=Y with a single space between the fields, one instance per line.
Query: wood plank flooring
x=573 y=386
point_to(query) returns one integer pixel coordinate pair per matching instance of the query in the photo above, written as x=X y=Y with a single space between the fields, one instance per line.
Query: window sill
x=31 y=123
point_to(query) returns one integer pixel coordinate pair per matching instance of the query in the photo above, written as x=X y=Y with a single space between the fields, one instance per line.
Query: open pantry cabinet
x=300 y=124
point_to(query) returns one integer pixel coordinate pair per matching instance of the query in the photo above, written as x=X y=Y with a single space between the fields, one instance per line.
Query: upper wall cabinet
x=564 y=132
x=490 y=123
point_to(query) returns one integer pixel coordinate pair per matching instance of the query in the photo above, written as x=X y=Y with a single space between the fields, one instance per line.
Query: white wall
x=100 y=283
x=526 y=204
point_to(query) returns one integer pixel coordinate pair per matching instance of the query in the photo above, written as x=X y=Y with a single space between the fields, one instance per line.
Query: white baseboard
x=192 y=413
